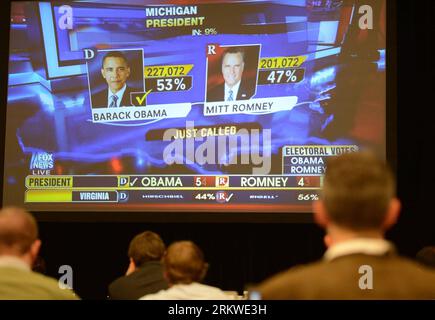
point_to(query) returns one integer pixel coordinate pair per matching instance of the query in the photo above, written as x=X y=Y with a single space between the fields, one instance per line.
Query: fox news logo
x=41 y=163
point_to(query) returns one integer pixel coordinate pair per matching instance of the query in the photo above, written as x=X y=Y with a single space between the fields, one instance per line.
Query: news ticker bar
x=171 y=197
x=173 y=182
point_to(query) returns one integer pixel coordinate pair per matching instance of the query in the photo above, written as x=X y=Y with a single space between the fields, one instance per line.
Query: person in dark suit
x=234 y=86
x=357 y=206
x=115 y=70
x=145 y=273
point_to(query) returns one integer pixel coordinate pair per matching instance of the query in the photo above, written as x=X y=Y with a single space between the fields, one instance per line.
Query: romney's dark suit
x=218 y=93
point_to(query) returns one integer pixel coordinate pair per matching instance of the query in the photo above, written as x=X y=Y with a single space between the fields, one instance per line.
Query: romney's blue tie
x=230 y=95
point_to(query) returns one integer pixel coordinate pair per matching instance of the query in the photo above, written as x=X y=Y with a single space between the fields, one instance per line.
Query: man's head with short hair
x=358 y=193
x=18 y=234
x=115 y=70
x=233 y=63
x=146 y=246
x=184 y=263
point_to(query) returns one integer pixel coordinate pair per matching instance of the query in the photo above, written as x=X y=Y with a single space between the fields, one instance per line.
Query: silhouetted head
x=18 y=234
x=358 y=193
x=184 y=263
x=146 y=246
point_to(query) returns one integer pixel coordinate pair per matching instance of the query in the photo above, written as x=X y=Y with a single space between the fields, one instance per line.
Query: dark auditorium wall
x=242 y=253
x=416 y=227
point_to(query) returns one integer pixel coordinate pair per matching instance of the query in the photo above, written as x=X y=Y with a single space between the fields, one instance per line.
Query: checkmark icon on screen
x=141 y=100
x=133 y=182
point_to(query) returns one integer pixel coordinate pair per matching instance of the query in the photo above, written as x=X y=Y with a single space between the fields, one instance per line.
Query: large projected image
x=189 y=106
